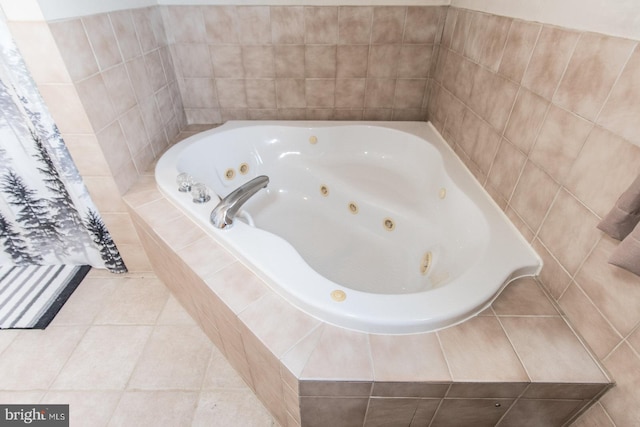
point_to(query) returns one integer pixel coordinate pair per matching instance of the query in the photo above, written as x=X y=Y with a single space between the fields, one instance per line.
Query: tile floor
x=123 y=352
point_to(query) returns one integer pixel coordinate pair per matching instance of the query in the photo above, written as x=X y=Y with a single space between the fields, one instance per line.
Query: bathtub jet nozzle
x=223 y=214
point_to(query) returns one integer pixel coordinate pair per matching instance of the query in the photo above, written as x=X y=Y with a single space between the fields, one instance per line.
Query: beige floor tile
x=220 y=374
x=174 y=314
x=86 y=301
x=6 y=338
x=88 y=367
x=86 y=408
x=134 y=302
x=104 y=359
x=223 y=408
x=155 y=409
x=14 y=397
x=37 y=351
x=174 y=358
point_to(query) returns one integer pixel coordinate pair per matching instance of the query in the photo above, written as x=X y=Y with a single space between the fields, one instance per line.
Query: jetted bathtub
x=372 y=226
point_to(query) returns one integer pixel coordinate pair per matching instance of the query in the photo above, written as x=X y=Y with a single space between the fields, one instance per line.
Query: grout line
x=615 y=82
x=566 y=67
x=446 y=360
x=513 y=347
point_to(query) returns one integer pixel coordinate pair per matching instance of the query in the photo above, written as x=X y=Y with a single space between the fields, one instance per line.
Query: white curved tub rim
x=510 y=256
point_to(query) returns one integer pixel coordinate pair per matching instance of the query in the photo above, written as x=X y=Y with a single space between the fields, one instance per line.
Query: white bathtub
x=372 y=226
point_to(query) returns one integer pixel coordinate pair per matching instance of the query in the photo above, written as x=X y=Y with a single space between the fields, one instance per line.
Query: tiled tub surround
x=546 y=118
x=303 y=62
x=516 y=364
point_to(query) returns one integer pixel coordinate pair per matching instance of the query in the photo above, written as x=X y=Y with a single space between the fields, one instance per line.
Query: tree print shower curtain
x=46 y=214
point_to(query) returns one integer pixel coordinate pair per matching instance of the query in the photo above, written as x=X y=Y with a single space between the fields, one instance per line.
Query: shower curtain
x=46 y=214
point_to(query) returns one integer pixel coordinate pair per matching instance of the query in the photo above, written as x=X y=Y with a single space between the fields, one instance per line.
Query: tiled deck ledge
x=516 y=364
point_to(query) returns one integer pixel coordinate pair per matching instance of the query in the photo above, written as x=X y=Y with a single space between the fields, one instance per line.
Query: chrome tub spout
x=223 y=214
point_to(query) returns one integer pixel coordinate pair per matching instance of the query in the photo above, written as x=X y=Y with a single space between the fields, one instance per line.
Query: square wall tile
x=604 y=169
x=231 y=93
x=569 y=231
x=620 y=110
x=549 y=59
x=559 y=142
x=261 y=93
x=289 y=60
x=383 y=60
x=125 y=32
x=506 y=169
x=591 y=73
x=415 y=61
x=258 y=61
x=519 y=46
x=103 y=40
x=287 y=24
x=422 y=24
x=388 y=24
x=351 y=61
x=354 y=26
x=533 y=195
x=187 y=24
x=320 y=93
x=290 y=93
x=486 y=40
x=227 y=61
x=118 y=85
x=320 y=61
x=321 y=25
x=618 y=301
x=254 y=24
x=221 y=24
x=194 y=59
x=350 y=93
x=75 y=48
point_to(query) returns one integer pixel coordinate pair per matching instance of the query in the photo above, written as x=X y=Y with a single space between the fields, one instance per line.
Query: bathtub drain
x=324 y=190
x=353 y=208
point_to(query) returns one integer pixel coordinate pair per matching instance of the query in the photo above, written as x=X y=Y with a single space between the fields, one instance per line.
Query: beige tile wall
x=299 y=62
x=123 y=73
x=546 y=118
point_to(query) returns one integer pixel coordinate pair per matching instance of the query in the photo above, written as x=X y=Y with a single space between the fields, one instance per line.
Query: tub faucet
x=223 y=214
